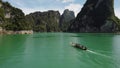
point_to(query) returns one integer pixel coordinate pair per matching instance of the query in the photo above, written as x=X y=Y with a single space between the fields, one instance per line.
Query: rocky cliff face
x=65 y=19
x=12 y=18
x=96 y=16
x=44 y=21
x=1 y=13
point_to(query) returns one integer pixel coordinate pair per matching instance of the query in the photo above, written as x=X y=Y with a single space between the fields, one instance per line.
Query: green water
x=53 y=50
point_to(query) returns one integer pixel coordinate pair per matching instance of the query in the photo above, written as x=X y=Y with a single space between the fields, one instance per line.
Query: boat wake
x=96 y=53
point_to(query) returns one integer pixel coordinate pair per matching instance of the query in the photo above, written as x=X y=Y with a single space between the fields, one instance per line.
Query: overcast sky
x=29 y=6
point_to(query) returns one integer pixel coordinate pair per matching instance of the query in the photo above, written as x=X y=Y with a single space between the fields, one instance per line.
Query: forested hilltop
x=44 y=21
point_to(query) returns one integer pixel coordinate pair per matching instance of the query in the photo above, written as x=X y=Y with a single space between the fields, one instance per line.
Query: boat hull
x=79 y=46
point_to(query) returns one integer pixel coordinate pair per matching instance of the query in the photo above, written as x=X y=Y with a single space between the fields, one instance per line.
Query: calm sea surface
x=53 y=50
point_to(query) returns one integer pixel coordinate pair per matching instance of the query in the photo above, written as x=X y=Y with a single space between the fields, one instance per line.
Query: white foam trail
x=104 y=51
x=98 y=53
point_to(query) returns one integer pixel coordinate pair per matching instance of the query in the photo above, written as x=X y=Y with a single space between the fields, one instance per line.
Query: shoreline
x=3 y=31
x=31 y=32
x=16 y=32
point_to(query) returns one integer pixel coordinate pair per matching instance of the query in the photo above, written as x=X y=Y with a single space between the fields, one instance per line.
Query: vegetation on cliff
x=44 y=21
x=12 y=18
x=96 y=16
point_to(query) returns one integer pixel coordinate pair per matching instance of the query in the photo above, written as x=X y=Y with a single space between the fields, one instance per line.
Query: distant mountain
x=96 y=16
x=65 y=19
x=50 y=21
x=44 y=21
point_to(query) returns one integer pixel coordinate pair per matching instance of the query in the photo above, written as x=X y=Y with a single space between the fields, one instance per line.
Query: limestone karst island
x=95 y=16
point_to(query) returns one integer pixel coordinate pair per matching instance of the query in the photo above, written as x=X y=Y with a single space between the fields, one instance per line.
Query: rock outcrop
x=96 y=16
x=44 y=21
x=12 y=18
x=65 y=19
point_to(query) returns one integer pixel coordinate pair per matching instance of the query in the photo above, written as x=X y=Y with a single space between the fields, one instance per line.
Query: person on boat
x=79 y=46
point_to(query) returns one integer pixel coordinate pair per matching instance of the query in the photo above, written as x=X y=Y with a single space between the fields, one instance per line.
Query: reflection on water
x=52 y=50
x=116 y=49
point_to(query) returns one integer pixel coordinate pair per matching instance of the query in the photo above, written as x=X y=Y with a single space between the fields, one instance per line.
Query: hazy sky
x=29 y=6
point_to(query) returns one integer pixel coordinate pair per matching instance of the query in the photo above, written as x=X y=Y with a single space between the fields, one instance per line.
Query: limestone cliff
x=12 y=18
x=1 y=13
x=44 y=21
x=96 y=16
x=65 y=19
